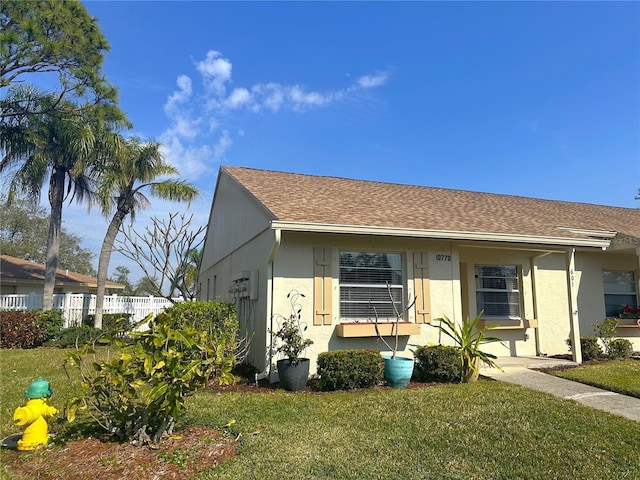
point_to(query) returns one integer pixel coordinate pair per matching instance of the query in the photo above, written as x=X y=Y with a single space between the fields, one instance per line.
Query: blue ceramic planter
x=397 y=371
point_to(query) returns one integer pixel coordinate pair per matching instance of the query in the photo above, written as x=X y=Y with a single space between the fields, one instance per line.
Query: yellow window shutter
x=421 y=287
x=322 y=286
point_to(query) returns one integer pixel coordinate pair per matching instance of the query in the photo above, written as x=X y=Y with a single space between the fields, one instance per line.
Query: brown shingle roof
x=15 y=270
x=339 y=201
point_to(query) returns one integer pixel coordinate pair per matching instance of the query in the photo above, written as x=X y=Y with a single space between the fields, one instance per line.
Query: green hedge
x=438 y=363
x=620 y=348
x=590 y=348
x=112 y=323
x=348 y=369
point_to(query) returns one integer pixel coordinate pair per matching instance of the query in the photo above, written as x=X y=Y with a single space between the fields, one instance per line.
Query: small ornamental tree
x=139 y=395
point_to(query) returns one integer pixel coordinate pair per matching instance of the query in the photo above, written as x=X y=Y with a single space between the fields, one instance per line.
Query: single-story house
x=18 y=276
x=543 y=270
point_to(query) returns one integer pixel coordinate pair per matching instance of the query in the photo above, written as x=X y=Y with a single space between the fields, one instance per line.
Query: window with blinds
x=363 y=285
x=619 y=290
x=498 y=291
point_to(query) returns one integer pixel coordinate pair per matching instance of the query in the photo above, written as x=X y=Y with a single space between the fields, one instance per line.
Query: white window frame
x=377 y=290
x=508 y=291
x=610 y=293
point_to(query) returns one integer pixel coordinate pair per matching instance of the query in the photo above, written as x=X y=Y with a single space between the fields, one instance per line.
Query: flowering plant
x=292 y=343
x=629 y=312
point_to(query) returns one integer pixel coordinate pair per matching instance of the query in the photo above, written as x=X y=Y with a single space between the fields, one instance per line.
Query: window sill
x=368 y=329
x=505 y=324
x=628 y=323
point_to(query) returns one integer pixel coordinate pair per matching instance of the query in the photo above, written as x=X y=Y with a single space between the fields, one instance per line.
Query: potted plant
x=292 y=370
x=468 y=338
x=397 y=370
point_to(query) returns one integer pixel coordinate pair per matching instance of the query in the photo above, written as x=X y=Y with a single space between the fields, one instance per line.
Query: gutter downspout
x=534 y=268
x=272 y=258
x=574 y=334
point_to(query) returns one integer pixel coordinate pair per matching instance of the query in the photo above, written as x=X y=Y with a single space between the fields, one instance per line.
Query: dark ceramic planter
x=293 y=376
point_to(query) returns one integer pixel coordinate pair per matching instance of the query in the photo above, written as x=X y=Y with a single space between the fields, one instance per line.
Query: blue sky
x=537 y=99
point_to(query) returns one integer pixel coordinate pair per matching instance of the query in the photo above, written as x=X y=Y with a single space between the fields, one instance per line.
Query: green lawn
x=487 y=430
x=622 y=376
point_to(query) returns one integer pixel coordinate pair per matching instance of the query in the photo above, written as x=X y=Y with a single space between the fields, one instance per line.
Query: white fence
x=76 y=306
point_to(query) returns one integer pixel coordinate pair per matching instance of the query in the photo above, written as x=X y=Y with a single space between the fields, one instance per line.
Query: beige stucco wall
x=249 y=261
x=589 y=267
x=294 y=271
x=551 y=309
x=542 y=273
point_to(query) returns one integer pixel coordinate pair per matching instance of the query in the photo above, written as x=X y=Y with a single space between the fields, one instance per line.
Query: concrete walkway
x=518 y=370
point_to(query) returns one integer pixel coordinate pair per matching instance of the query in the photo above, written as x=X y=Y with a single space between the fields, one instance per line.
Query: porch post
x=638 y=279
x=574 y=334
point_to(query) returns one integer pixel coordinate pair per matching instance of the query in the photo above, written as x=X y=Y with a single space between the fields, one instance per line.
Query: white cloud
x=224 y=143
x=272 y=96
x=180 y=96
x=376 y=80
x=301 y=100
x=215 y=70
x=191 y=161
x=238 y=98
x=190 y=142
x=183 y=127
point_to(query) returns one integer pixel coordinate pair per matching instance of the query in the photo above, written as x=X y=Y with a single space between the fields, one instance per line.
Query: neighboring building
x=19 y=276
x=543 y=270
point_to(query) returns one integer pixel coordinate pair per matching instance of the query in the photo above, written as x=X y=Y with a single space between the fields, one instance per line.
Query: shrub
x=53 y=321
x=590 y=348
x=113 y=324
x=606 y=331
x=22 y=329
x=75 y=337
x=217 y=320
x=438 y=363
x=213 y=317
x=348 y=369
x=139 y=395
x=620 y=348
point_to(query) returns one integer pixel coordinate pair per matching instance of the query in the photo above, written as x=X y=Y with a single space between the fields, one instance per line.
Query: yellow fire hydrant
x=33 y=415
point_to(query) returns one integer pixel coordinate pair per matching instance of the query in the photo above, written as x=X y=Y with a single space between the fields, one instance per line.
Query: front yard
x=622 y=376
x=486 y=430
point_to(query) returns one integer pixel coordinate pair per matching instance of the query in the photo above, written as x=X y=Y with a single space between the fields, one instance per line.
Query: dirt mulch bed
x=196 y=449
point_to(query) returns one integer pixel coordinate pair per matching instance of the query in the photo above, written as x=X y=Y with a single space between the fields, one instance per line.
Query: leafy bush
x=53 y=321
x=438 y=363
x=212 y=317
x=590 y=348
x=22 y=329
x=113 y=324
x=76 y=337
x=620 y=348
x=606 y=331
x=218 y=321
x=347 y=369
x=139 y=395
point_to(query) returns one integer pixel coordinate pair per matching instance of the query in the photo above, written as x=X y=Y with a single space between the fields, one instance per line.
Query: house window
x=498 y=291
x=364 y=277
x=619 y=290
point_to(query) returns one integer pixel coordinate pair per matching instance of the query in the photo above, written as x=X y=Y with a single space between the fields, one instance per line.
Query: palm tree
x=57 y=147
x=136 y=167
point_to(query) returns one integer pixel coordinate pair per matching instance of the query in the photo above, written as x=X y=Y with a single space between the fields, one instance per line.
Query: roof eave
x=439 y=234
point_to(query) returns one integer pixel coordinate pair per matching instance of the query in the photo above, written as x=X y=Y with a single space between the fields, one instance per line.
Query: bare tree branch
x=164 y=253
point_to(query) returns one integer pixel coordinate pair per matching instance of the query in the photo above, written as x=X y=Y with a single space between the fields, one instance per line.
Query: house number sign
x=443 y=257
